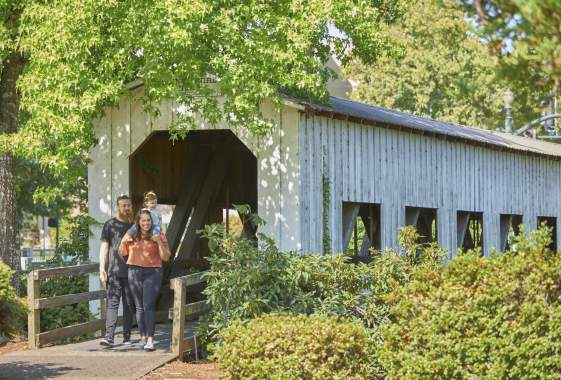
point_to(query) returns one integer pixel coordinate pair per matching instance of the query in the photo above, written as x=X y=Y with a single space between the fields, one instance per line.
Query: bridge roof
x=376 y=115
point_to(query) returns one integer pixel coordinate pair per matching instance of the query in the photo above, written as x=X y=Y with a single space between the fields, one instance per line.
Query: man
x=113 y=272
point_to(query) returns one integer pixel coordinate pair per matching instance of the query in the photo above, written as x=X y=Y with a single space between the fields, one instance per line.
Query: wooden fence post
x=103 y=307
x=34 y=316
x=178 y=330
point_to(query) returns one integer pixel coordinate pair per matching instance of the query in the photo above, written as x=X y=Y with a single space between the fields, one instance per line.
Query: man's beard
x=127 y=217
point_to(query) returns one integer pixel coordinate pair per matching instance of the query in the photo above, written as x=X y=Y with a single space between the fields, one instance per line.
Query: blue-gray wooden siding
x=396 y=168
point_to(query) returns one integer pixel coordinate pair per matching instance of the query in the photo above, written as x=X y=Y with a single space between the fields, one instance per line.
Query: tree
x=11 y=67
x=71 y=58
x=443 y=71
x=528 y=33
x=525 y=36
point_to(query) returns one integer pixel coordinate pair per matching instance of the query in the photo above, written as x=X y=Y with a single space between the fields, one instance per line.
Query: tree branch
x=479 y=8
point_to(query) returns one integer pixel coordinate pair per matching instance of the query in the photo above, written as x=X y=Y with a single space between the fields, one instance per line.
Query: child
x=151 y=203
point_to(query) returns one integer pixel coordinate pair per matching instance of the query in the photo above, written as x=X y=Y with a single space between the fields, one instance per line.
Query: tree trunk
x=12 y=68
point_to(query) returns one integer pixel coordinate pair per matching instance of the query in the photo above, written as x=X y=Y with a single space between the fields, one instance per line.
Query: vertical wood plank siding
x=396 y=168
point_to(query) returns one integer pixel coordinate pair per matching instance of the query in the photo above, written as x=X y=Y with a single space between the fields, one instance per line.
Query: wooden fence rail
x=36 y=338
x=181 y=311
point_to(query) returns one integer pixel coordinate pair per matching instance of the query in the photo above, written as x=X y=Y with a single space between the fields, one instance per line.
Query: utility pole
x=508 y=98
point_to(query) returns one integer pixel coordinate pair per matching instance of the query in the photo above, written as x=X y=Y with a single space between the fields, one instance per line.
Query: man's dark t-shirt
x=113 y=231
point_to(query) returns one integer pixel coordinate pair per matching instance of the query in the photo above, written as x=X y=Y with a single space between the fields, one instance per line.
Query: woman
x=145 y=252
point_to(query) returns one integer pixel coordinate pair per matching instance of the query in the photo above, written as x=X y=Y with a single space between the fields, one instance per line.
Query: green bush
x=74 y=246
x=492 y=318
x=247 y=280
x=69 y=314
x=13 y=311
x=294 y=347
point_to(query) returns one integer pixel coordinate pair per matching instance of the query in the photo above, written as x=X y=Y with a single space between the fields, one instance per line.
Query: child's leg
x=156 y=229
x=131 y=232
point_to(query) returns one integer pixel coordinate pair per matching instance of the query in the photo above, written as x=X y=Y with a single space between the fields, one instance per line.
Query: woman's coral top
x=144 y=253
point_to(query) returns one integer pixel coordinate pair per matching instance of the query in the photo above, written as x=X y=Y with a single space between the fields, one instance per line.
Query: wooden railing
x=36 y=338
x=181 y=311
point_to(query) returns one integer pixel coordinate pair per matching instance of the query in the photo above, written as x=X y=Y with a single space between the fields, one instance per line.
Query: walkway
x=89 y=360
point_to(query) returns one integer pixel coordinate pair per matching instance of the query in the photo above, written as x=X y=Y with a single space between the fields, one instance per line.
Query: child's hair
x=150 y=196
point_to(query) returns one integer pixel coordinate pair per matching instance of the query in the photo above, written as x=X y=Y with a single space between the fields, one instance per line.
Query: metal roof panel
x=387 y=116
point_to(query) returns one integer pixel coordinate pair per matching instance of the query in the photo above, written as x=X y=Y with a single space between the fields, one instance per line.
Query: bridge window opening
x=361 y=230
x=509 y=229
x=550 y=222
x=425 y=222
x=470 y=230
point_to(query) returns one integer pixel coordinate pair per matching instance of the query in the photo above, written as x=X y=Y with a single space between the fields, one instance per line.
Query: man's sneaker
x=149 y=347
x=106 y=342
x=127 y=342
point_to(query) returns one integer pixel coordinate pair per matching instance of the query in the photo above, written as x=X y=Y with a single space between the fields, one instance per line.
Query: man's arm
x=103 y=255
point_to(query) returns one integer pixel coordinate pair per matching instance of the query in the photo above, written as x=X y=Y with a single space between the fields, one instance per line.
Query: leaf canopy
x=82 y=52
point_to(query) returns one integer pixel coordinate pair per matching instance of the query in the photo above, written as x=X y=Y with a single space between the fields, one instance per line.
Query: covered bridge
x=324 y=170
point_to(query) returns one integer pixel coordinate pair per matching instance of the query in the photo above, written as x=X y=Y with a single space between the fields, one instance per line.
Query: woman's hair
x=138 y=236
x=150 y=196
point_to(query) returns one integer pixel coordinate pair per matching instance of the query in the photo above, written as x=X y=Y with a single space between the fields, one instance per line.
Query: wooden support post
x=463 y=219
x=227 y=207
x=34 y=316
x=103 y=307
x=506 y=221
x=208 y=192
x=366 y=244
x=412 y=216
x=350 y=213
x=193 y=179
x=179 y=300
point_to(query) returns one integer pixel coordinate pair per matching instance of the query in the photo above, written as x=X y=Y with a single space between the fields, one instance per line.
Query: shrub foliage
x=294 y=347
x=13 y=311
x=247 y=280
x=496 y=317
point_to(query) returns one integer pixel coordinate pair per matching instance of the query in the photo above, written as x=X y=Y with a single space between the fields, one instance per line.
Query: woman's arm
x=124 y=248
x=163 y=248
x=123 y=243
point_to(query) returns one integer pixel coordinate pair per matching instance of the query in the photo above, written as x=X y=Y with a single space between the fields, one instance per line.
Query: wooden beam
x=103 y=306
x=366 y=244
x=192 y=309
x=350 y=213
x=463 y=219
x=364 y=214
x=192 y=182
x=69 y=299
x=210 y=188
x=191 y=279
x=65 y=271
x=33 y=318
x=179 y=299
x=71 y=331
x=412 y=216
x=506 y=222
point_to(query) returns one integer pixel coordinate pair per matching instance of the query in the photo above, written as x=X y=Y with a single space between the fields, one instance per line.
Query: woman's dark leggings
x=145 y=287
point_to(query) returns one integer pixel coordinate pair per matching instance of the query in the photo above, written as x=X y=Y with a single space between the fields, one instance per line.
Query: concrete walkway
x=89 y=360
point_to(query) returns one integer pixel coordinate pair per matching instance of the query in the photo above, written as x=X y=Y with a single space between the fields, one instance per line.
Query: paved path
x=89 y=360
